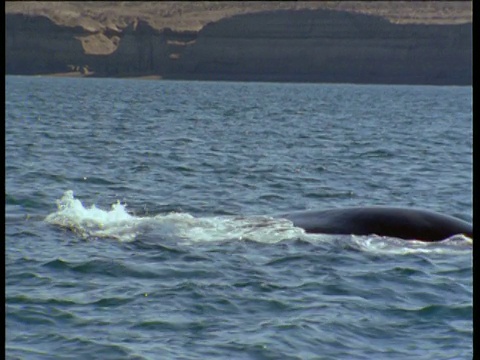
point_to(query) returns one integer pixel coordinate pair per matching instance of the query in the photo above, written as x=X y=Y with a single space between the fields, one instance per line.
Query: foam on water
x=118 y=224
x=388 y=245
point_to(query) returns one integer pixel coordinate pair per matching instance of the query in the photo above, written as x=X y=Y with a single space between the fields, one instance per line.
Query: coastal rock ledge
x=283 y=45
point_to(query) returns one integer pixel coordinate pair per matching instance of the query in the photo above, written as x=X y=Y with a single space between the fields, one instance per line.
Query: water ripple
x=184 y=264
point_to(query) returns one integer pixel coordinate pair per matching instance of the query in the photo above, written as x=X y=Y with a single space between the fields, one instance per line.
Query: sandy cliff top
x=177 y=15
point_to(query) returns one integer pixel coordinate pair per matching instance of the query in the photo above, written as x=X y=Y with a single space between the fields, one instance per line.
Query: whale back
x=404 y=223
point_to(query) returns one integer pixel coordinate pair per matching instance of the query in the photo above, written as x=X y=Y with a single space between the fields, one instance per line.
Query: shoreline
x=159 y=78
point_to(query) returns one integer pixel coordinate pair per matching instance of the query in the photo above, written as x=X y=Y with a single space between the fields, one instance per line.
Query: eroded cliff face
x=302 y=45
x=35 y=45
x=330 y=46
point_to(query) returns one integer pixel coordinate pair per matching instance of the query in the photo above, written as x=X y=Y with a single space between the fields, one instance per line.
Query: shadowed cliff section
x=36 y=45
x=329 y=46
x=283 y=45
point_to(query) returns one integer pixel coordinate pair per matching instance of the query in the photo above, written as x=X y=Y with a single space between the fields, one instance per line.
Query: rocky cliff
x=329 y=46
x=314 y=45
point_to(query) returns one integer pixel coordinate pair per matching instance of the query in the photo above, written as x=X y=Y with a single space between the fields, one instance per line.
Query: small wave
x=378 y=153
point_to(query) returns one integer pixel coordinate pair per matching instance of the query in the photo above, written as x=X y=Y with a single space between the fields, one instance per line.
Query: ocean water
x=138 y=220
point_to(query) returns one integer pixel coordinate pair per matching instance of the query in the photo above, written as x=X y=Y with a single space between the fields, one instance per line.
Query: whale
x=397 y=222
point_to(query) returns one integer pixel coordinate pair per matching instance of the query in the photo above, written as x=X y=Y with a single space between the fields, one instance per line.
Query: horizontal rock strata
x=287 y=45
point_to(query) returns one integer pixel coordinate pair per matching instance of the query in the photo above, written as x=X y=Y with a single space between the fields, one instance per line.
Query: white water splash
x=117 y=223
x=93 y=222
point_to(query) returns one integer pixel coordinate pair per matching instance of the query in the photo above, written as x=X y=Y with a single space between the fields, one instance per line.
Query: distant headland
x=378 y=42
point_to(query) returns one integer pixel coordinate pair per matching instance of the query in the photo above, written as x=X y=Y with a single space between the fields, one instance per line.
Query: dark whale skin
x=403 y=223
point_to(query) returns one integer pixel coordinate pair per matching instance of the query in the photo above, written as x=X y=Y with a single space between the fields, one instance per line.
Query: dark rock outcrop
x=302 y=45
x=36 y=45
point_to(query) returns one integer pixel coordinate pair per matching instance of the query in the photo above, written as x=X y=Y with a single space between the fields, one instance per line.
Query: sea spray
x=93 y=222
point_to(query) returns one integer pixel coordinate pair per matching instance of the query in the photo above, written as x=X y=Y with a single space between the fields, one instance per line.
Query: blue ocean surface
x=139 y=220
